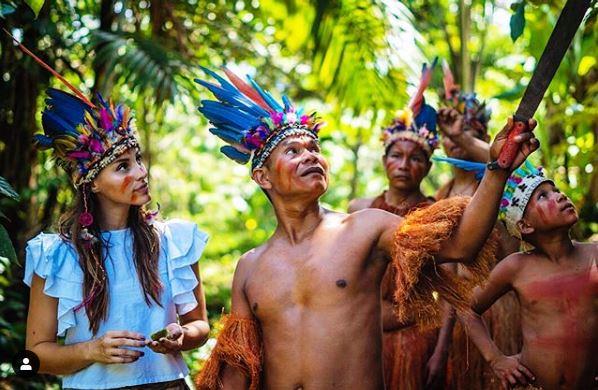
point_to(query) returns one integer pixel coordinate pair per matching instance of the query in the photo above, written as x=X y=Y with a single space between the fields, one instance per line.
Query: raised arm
x=507 y=368
x=480 y=214
x=450 y=123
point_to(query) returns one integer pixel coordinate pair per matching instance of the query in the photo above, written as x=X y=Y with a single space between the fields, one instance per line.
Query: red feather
x=246 y=89
x=450 y=88
x=418 y=99
x=79 y=94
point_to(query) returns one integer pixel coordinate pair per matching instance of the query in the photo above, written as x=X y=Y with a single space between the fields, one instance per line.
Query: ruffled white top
x=56 y=261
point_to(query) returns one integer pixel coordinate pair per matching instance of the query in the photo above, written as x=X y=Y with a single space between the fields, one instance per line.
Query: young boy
x=556 y=283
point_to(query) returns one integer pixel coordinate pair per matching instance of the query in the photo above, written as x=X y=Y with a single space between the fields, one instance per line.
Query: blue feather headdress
x=476 y=114
x=84 y=137
x=518 y=190
x=417 y=122
x=250 y=120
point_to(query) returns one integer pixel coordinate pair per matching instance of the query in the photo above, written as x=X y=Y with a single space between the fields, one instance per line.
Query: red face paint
x=542 y=215
x=126 y=182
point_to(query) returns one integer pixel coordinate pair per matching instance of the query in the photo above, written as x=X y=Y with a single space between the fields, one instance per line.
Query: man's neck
x=297 y=219
x=113 y=216
x=396 y=197
x=556 y=245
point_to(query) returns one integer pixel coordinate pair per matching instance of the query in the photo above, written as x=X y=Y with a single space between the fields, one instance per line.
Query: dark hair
x=95 y=283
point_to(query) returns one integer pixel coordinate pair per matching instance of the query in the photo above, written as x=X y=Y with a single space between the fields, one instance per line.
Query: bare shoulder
x=374 y=220
x=248 y=261
x=512 y=265
x=590 y=248
x=360 y=204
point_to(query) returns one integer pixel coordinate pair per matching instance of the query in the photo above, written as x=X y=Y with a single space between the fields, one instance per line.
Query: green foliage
x=517 y=22
x=355 y=61
x=35 y=5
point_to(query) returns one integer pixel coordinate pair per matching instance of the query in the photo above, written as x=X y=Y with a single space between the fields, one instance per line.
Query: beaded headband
x=250 y=120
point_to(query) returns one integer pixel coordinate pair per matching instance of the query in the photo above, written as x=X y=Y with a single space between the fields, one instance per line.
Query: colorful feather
x=469 y=166
x=79 y=94
x=417 y=100
x=247 y=90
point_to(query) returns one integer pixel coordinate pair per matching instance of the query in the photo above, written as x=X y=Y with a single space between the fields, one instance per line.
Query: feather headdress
x=517 y=193
x=476 y=114
x=417 y=122
x=250 y=120
x=84 y=138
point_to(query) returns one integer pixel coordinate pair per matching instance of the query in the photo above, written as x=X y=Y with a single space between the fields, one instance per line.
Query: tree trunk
x=18 y=108
x=107 y=17
x=465 y=33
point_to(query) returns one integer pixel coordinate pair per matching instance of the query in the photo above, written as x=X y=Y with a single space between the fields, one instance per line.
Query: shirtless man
x=556 y=285
x=311 y=292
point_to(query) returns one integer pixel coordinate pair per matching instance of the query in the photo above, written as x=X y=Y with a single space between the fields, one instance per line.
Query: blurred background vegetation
x=355 y=61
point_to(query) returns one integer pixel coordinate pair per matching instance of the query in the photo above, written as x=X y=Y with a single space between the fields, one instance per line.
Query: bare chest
x=320 y=276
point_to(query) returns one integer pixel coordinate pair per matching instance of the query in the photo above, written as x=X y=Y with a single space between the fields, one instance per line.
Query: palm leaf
x=146 y=65
x=7 y=190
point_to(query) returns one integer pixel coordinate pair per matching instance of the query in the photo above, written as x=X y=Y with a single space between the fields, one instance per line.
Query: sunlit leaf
x=517 y=22
x=35 y=5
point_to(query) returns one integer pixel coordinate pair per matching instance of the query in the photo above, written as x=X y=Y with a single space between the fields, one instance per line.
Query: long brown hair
x=146 y=249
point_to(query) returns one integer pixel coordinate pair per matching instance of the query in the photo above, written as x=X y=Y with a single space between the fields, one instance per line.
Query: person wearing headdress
x=463 y=121
x=113 y=275
x=413 y=358
x=306 y=303
x=556 y=283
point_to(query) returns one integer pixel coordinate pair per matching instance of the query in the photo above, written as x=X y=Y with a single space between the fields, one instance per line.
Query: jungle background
x=354 y=61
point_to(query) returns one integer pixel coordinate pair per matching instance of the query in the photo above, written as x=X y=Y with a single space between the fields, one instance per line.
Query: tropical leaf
x=35 y=5
x=143 y=64
x=7 y=190
x=7 y=8
x=6 y=248
x=517 y=22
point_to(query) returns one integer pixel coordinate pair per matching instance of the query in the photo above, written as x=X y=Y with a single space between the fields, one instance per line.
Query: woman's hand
x=172 y=343
x=510 y=371
x=108 y=348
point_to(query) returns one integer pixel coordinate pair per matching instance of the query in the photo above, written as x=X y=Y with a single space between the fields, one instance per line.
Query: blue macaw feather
x=265 y=95
x=234 y=154
x=227 y=135
x=230 y=115
x=239 y=101
x=54 y=125
x=427 y=116
x=69 y=107
x=223 y=82
x=233 y=98
x=101 y=100
x=42 y=140
x=470 y=166
x=287 y=103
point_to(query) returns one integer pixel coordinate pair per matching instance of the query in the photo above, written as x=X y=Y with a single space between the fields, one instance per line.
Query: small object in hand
x=159 y=334
x=511 y=148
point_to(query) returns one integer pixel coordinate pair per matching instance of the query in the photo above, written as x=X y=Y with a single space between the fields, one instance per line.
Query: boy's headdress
x=475 y=113
x=250 y=120
x=417 y=122
x=517 y=193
